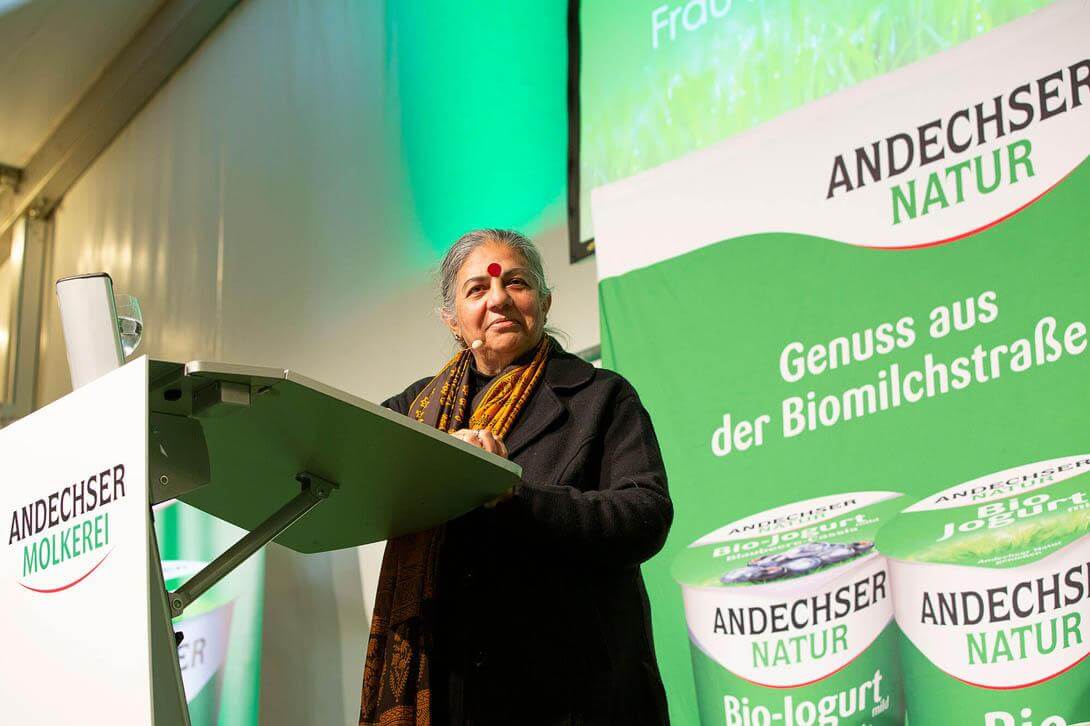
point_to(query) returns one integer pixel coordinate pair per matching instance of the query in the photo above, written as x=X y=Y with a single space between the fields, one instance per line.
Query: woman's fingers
x=485 y=440
x=482 y=438
x=469 y=436
x=492 y=444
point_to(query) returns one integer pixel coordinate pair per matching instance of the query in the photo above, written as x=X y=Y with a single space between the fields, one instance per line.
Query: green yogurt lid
x=177 y=572
x=1006 y=519
x=788 y=542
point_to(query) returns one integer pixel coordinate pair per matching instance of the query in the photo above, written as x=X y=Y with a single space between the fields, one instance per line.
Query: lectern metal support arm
x=315 y=490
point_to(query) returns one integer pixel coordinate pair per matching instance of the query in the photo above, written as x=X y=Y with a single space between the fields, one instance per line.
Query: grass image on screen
x=660 y=79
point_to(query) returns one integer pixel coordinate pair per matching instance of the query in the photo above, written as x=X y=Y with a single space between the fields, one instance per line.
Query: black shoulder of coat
x=569 y=371
x=401 y=402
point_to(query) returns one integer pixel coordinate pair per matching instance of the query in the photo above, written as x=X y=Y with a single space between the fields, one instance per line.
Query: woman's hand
x=483 y=439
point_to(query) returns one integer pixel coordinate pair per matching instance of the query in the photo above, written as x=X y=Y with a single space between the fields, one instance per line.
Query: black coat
x=542 y=613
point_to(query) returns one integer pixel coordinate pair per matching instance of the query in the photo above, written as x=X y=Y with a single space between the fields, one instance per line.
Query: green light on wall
x=478 y=91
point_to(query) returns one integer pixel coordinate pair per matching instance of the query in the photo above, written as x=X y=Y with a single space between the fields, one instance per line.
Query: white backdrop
x=256 y=212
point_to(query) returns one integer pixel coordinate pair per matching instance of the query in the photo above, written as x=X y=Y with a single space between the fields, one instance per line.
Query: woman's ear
x=451 y=324
x=548 y=303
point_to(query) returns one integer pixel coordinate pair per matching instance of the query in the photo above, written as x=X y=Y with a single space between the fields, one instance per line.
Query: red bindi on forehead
x=495 y=270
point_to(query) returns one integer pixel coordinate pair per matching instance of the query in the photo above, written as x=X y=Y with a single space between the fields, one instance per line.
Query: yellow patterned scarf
x=396 y=676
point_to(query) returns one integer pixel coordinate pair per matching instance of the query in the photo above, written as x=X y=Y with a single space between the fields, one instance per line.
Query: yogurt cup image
x=203 y=652
x=991 y=586
x=790 y=616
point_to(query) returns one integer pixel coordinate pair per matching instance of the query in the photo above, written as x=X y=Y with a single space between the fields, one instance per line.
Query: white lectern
x=85 y=615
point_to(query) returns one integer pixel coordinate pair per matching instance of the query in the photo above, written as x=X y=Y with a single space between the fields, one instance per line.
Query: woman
x=531 y=609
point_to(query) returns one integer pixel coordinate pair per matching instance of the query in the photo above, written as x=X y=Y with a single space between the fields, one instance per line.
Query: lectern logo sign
x=65 y=536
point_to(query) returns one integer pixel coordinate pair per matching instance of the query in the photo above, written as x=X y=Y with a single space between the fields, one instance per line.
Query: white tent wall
x=256 y=207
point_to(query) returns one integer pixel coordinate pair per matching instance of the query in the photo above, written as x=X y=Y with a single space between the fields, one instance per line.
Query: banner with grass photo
x=659 y=79
x=883 y=292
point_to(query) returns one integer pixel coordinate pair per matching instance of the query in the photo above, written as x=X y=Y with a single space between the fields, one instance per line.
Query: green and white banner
x=220 y=653
x=882 y=292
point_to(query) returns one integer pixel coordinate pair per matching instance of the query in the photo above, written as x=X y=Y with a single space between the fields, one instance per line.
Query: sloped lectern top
x=263 y=426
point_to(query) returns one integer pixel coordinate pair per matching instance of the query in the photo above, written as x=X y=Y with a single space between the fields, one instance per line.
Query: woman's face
x=502 y=310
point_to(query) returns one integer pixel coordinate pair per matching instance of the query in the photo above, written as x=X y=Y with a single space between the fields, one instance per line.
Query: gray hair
x=464 y=246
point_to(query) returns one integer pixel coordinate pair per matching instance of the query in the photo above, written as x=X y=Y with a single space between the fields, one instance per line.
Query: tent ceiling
x=51 y=51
